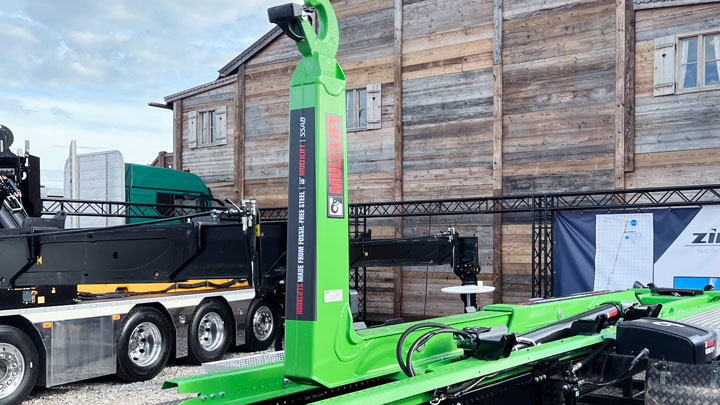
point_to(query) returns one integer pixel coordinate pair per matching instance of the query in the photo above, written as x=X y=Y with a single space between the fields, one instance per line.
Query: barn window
x=207 y=122
x=207 y=127
x=699 y=61
x=363 y=108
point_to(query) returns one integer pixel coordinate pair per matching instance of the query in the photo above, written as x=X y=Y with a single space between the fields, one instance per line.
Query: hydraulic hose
x=111 y=228
x=575 y=367
x=439 y=328
x=633 y=364
x=424 y=339
x=398 y=348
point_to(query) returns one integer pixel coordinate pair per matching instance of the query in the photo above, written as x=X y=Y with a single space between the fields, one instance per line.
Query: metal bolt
x=222 y=395
x=212 y=396
x=203 y=398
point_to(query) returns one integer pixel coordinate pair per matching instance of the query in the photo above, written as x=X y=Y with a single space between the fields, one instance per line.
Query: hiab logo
x=706 y=238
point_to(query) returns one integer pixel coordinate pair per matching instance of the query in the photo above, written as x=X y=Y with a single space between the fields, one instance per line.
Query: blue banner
x=610 y=249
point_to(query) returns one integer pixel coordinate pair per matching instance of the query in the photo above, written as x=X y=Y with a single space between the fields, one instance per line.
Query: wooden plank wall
x=267 y=101
x=214 y=164
x=677 y=136
x=447 y=133
x=559 y=111
x=557 y=118
x=366 y=56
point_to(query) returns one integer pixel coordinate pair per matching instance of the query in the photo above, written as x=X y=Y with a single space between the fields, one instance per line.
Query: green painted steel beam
x=322 y=348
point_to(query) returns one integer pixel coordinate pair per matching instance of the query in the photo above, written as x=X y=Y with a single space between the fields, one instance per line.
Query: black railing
x=117 y=209
x=542 y=208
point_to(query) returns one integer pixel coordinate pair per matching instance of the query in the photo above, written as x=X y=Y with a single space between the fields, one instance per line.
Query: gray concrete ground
x=105 y=390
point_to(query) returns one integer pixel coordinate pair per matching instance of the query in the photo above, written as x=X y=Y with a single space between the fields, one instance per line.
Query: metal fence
x=542 y=208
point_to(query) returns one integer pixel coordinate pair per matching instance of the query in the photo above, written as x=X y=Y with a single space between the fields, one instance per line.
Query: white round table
x=468 y=290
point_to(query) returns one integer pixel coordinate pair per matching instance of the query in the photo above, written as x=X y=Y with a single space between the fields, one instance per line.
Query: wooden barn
x=469 y=98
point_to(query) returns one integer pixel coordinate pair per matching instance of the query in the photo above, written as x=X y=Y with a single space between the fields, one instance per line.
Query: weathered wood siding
x=366 y=56
x=447 y=133
x=365 y=60
x=558 y=115
x=677 y=137
x=214 y=164
x=559 y=111
x=267 y=101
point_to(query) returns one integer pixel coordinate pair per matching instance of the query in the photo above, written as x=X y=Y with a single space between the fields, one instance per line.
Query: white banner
x=623 y=250
x=693 y=259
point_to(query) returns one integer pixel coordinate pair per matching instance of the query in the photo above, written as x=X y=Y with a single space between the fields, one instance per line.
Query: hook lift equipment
x=557 y=350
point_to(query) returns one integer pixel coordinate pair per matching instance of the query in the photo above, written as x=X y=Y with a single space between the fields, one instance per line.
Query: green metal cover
x=143 y=183
x=161 y=179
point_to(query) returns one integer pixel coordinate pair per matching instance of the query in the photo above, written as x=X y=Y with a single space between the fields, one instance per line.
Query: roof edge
x=199 y=89
x=251 y=51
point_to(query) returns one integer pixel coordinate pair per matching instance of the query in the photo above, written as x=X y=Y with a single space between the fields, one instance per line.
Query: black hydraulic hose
x=461 y=389
x=633 y=364
x=282 y=256
x=398 y=348
x=424 y=339
x=109 y=228
x=575 y=367
x=175 y=286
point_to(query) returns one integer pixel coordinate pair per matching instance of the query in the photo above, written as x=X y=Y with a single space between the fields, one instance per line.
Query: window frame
x=356 y=108
x=213 y=138
x=700 y=36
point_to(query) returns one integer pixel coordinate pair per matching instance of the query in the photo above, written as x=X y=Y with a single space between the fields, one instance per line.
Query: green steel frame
x=323 y=350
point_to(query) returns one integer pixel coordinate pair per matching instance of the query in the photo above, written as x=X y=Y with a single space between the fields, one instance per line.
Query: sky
x=85 y=70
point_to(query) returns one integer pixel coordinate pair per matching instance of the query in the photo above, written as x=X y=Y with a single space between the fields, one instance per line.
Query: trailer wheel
x=18 y=365
x=261 y=325
x=209 y=335
x=143 y=347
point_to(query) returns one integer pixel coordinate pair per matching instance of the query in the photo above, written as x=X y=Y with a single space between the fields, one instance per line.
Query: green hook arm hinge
x=318 y=49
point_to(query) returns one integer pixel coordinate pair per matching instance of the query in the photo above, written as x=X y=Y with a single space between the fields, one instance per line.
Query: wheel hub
x=263 y=324
x=211 y=332
x=12 y=369
x=145 y=345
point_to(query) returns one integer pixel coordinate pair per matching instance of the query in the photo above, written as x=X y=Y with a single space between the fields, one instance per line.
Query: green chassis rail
x=322 y=349
x=434 y=364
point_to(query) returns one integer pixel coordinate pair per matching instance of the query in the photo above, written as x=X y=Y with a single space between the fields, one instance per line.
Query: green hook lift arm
x=317 y=279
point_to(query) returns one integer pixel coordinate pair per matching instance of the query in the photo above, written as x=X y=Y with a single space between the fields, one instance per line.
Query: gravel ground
x=105 y=390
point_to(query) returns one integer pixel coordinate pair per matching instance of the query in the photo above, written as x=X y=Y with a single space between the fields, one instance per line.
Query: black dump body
x=151 y=253
x=40 y=252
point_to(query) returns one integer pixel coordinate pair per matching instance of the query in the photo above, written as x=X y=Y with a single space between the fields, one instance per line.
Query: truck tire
x=19 y=364
x=143 y=347
x=210 y=332
x=261 y=325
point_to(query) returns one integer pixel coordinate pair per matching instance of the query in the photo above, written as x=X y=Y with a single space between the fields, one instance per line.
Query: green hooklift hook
x=296 y=21
x=318 y=50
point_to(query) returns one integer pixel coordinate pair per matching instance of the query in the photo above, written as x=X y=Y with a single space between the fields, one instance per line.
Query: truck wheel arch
x=27 y=327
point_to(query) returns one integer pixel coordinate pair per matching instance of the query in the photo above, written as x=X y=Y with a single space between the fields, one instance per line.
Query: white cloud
x=85 y=69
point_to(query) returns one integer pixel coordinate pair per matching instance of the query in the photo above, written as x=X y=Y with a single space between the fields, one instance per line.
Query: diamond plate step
x=242 y=362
